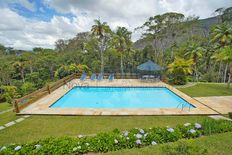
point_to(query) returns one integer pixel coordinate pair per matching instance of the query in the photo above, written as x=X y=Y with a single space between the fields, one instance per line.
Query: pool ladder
x=183 y=105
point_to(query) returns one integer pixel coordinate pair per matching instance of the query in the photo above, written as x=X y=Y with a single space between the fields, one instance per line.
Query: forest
x=185 y=50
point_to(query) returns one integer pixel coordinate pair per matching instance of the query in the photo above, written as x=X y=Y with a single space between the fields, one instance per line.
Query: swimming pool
x=120 y=97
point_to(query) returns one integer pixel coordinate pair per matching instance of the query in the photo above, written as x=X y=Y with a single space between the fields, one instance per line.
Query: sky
x=25 y=24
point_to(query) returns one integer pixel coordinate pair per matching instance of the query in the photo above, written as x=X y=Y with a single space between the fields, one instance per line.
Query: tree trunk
x=224 y=80
x=22 y=75
x=102 y=58
x=31 y=69
x=121 y=66
x=196 y=75
x=228 y=83
x=219 y=71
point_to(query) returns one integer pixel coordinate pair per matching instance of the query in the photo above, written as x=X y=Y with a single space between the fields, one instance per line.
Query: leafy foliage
x=8 y=93
x=66 y=70
x=116 y=140
x=179 y=70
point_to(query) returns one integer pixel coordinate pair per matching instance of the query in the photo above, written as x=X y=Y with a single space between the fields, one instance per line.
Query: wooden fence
x=24 y=101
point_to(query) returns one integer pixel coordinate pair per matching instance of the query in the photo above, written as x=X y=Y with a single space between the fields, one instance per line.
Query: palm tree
x=122 y=41
x=195 y=52
x=179 y=69
x=219 y=57
x=101 y=30
x=20 y=66
x=222 y=34
x=225 y=54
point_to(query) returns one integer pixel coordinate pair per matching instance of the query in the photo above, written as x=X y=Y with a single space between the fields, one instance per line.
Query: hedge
x=116 y=139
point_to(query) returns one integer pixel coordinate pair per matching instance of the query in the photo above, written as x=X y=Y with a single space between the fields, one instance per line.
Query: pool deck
x=41 y=107
x=222 y=104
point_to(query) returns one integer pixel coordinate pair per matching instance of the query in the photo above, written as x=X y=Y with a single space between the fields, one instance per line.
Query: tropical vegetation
x=169 y=39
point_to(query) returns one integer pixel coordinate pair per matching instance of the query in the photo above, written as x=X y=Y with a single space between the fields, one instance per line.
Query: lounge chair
x=93 y=77
x=111 y=77
x=83 y=77
x=99 y=77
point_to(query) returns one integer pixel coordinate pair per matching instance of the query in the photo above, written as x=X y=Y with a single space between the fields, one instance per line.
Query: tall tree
x=102 y=31
x=195 y=52
x=222 y=34
x=122 y=41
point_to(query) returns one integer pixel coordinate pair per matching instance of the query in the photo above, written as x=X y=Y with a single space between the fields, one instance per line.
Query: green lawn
x=7 y=117
x=207 y=89
x=5 y=106
x=220 y=144
x=37 y=127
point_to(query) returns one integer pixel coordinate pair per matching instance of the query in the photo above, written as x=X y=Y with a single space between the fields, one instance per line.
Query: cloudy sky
x=25 y=24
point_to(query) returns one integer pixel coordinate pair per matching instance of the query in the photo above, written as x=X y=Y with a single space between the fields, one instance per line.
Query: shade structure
x=149 y=66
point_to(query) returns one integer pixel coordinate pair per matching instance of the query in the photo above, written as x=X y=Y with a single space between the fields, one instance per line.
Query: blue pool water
x=119 y=97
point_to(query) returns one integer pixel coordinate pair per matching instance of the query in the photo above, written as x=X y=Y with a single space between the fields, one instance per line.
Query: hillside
x=202 y=27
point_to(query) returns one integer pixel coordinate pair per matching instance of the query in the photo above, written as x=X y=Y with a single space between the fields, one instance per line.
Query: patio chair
x=99 y=77
x=111 y=77
x=83 y=77
x=93 y=77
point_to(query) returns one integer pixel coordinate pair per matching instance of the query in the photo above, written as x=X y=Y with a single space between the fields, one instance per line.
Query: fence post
x=48 y=88
x=16 y=106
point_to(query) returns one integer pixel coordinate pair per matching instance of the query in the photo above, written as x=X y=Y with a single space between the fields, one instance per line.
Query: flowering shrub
x=117 y=139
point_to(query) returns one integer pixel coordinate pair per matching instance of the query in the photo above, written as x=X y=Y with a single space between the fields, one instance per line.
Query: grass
x=37 y=127
x=207 y=89
x=5 y=106
x=220 y=144
x=7 y=117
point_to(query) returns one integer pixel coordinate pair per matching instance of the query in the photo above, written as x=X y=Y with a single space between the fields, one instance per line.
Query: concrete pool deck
x=222 y=104
x=41 y=107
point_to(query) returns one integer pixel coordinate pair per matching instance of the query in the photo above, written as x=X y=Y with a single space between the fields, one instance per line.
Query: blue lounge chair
x=99 y=77
x=83 y=77
x=93 y=77
x=111 y=77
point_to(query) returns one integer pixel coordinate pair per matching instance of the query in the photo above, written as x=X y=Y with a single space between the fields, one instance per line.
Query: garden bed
x=116 y=139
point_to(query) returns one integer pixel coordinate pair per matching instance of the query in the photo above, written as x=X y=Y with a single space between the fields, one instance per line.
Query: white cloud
x=23 y=33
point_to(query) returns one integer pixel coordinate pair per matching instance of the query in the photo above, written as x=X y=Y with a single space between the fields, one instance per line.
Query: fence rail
x=21 y=103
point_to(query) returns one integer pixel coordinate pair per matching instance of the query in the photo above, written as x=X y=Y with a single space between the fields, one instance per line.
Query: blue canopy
x=149 y=66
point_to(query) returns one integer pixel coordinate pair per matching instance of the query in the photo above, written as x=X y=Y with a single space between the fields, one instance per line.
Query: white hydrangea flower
x=197 y=126
x=170 y=129
x=75 y=148
x=141 y=131
x=192 y=131
x=153 y=143
x=187 y=124
x=3 y=148
x=17 y=148
x=80 y=136
x=116 y=141
x=87 y=144
x=126 y=133
x=138 y=136
x=37 y=146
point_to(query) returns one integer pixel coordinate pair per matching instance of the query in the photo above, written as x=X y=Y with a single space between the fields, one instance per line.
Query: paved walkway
x=2 y=112
x=14 y=122
x=222 y=104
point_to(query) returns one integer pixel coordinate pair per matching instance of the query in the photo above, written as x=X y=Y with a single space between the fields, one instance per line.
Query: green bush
x=27 y=88
x=8 y=93
x=66 y=70
x=116 y=140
